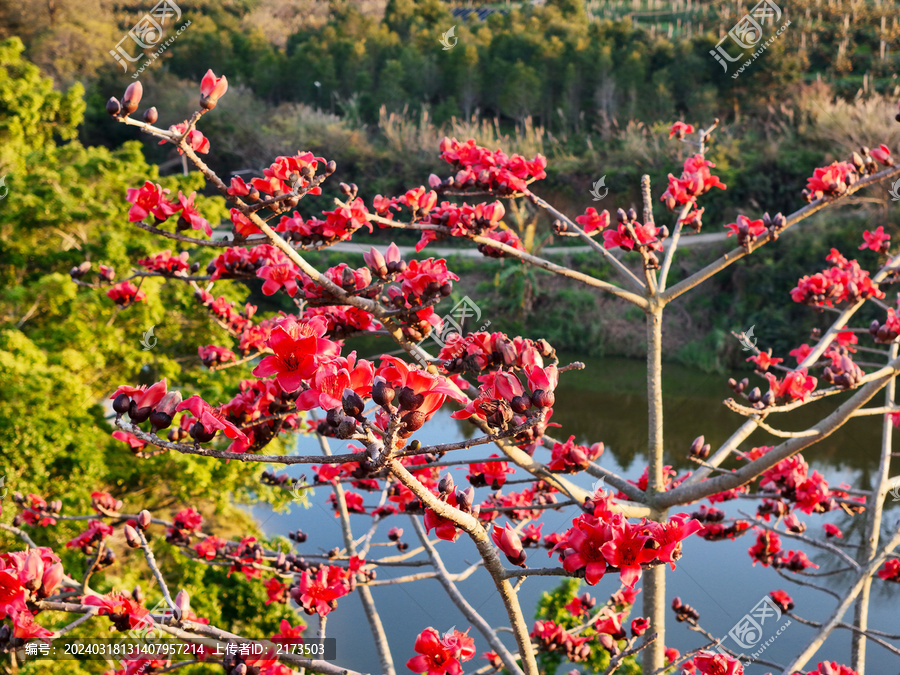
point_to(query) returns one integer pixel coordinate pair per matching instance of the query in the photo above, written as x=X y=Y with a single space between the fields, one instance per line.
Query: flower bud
x=161 y=417
x=375 y=260
x=382 y=392
x=132 y=97
x=143 y=519
x=138 y=415
x=413 y=420
x=697 y=446
x=182 y=603
x=151 y=115
x=113 y=107
x=352 y=403
x=346 y=428
x=543 y=399
x=465 y=499
x=520 y=404
x=51 y=580
x=33 y=569
x=121 y=404
x=200 y=434
x=409 y=400
x=131 y=537
x=446 y=484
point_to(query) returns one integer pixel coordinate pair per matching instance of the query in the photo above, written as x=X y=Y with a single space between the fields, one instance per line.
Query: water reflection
x=606 y=402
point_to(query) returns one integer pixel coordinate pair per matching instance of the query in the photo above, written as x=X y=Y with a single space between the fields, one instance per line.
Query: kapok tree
x=625 y=535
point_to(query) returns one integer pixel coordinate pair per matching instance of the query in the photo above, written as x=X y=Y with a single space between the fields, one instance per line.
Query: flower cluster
x=516 y=504
x=767 y=550
x=748 y=231
x=166 y=263
x=843 y=281
x=26 y=577
x=338 y=225
x=476 y=352
x=125 y=293
x=551 y=637
x=35 y=510
x=631 y=235
x=695 y=180
x=441 y=654
x=606 y=538
x=480 y=169
x=831 y=181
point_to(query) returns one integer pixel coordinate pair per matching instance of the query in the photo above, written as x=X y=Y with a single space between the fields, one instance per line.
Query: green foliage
x=552 y=607
x=32 y=114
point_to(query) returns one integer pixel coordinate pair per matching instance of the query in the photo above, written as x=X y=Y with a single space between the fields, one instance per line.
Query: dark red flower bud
x=138 y=415
x=352 y=403
x=520 y=404
x=121 y=404
x=543 y=399
x=113 y=107
x=409 y=400
x=346 y=428
x=151 y=115
x=382 y=392
x=200 y=434
x=413 y=421
x=132 y=97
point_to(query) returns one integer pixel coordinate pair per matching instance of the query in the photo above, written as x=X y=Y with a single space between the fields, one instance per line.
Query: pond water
x=606 y=402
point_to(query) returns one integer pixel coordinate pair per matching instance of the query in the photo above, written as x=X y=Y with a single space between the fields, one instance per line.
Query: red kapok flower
x=783 y=600
x=878 y=241
x=441 y=656
x=679 y=129
x=508 y=541
x=299 y=350
x=709 y=663
x=125 y=293
x=211 y=89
